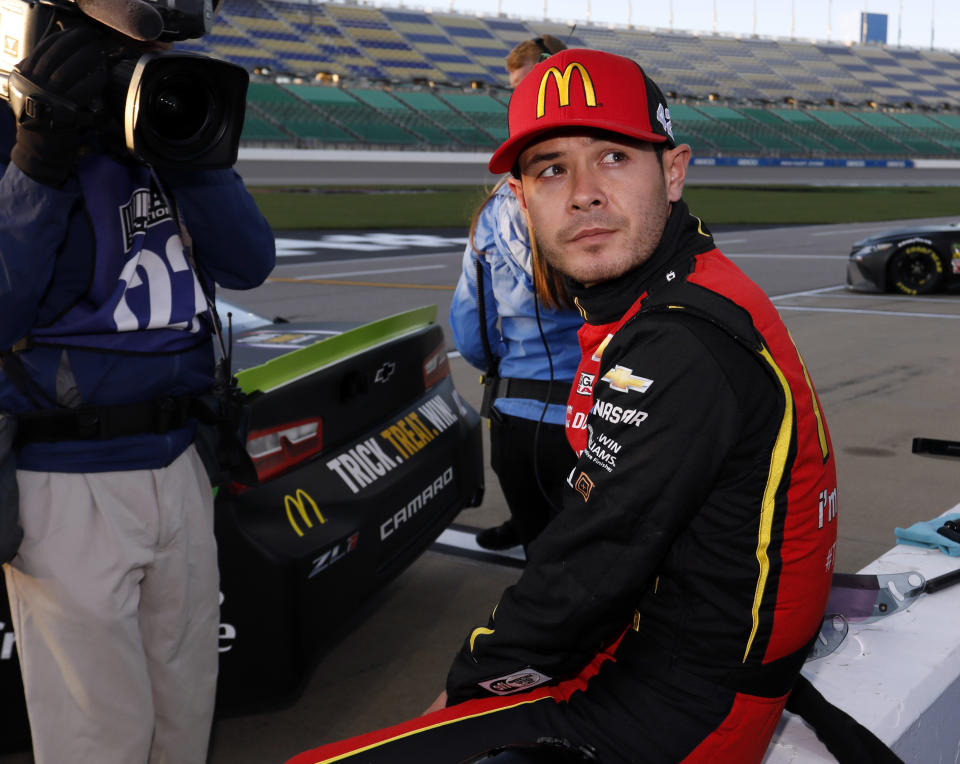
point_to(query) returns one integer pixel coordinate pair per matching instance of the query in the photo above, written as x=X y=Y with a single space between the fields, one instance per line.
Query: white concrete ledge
x=278 y=154
x=937 y=164
x=899 y=677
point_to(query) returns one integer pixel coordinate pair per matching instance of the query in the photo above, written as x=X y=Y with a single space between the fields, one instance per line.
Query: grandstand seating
x=485 y=111
x=290 y=113
x=411 y=120
x=775 y=134
x=432 y=79
x=915 y=143
x=256 y=128
x=464 y=130
x=708 y=135
x=480 y=56
x=851 y=130
x=930 y=131
x=355 y=115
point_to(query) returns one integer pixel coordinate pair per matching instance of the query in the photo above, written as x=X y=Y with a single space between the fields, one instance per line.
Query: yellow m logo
x=563 y=86
x=300 y=502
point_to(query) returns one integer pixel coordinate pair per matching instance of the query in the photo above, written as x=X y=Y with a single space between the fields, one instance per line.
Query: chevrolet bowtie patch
x=622 y=379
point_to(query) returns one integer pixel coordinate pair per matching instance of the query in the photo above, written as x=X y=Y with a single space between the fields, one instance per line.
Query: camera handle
x=32 y=104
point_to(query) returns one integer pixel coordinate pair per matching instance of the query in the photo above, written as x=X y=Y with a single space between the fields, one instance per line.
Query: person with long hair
x=527 y=350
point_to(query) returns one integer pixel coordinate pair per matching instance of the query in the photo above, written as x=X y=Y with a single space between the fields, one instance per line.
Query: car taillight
x=277 y=449
x=436 y=367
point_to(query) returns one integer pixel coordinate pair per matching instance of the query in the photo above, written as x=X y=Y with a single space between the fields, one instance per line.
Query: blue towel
x=925 y=534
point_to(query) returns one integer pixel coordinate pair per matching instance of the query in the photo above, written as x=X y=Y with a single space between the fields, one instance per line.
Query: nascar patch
x=515 y=682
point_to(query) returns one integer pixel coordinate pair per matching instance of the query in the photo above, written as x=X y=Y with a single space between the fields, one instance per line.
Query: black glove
x=57 y=95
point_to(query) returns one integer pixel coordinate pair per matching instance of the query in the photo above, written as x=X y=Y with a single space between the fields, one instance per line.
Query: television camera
x=167 y=108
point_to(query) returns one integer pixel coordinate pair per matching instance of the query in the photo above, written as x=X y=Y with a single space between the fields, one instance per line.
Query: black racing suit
x=664 y=614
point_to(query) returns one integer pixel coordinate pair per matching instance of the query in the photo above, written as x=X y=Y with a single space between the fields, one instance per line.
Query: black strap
x=544 y=50
x=537 y=389
x=770 y=680
x=157 y=416
x=490 y=378
x=848 y=740
x=13 y=368
x=492 y=360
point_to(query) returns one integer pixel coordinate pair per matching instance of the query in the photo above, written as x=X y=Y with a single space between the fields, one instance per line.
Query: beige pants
x=114 y=602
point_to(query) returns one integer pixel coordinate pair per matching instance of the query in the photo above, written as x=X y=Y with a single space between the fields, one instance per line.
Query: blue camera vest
x=144 y=296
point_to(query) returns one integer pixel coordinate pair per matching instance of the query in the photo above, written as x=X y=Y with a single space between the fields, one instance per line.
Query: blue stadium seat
x=730 y=95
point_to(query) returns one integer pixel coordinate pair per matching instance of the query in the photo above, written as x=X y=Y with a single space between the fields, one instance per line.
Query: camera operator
x=106 y=266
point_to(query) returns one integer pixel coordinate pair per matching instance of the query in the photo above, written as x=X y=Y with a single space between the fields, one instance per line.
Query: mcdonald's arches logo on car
x=300 y=502
x=563 y=80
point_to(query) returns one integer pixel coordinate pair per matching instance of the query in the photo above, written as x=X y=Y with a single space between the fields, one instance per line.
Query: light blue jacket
x=501 y=235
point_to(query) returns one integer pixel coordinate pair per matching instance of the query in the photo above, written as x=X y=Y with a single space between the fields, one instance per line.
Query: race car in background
x=913 y=261
x=365 y=453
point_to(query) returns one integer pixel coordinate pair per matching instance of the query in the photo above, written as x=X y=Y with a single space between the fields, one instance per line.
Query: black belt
x=537 y=389
x=158 y=416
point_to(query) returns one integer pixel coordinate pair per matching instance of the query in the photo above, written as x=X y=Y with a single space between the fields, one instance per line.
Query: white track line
x=845 y=231
x=377 y=259
x=468 y=541
x=824 y=292
x=870 y=312
x=772 y=256
x=894 y=298
x=370 y=273
x=808 y=292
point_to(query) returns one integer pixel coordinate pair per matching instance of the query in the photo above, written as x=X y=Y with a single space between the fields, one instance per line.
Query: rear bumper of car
x=297 y=552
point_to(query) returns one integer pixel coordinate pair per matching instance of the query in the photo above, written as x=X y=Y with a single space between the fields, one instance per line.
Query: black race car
x=365 y=453
x=912 y=261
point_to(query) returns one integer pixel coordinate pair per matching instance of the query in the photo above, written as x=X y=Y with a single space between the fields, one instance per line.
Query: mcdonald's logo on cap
x=563 y=86
x=609 y=92
x=300 y=501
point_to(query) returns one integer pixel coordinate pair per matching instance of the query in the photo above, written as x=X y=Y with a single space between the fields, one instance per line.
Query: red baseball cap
x=584 y=88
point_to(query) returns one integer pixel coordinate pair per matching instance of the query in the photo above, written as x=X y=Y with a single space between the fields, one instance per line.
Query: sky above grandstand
x=908 y=23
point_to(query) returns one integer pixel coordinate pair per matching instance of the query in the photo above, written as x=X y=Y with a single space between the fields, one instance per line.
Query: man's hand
x=440 y=702
x=56 y=91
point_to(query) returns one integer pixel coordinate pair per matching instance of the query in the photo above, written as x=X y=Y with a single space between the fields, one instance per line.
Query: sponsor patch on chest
x=515 y=682
x=623 y=380
x=617 y=414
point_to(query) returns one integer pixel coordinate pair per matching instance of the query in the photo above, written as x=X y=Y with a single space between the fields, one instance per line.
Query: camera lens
x=179 y=107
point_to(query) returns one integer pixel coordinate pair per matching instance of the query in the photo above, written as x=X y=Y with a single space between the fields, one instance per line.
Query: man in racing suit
x=664 y=615
x=104 y=266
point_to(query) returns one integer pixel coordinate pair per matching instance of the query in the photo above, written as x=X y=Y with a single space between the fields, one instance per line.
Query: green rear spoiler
x=297 y=363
